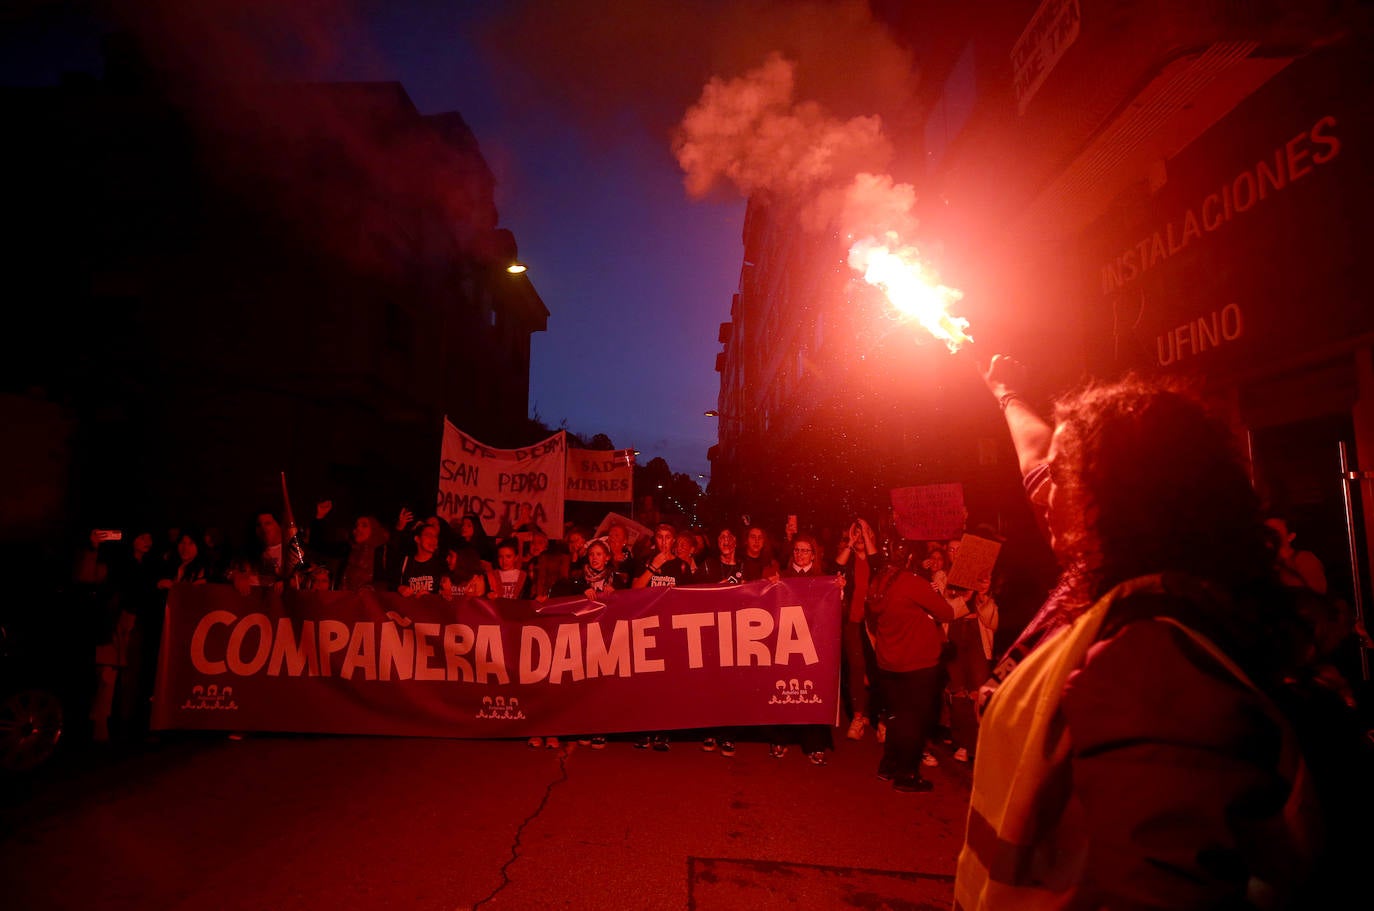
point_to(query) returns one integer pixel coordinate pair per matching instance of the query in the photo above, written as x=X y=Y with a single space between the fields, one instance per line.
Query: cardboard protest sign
x=930 y=512
x=504 y=487
x=601 y=476
x=633 y=530
x=974 y=562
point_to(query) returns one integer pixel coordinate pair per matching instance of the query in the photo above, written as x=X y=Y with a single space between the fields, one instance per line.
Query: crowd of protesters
x=1163 y=733
x=896 y=648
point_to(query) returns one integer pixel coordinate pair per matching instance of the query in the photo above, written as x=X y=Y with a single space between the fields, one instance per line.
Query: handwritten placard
x=974 y=562
x=601 y=476
x=930 y=512
x=502 y=487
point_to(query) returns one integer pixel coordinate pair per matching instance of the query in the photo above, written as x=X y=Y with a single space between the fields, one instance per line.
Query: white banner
x=505 y=487
x=601 y=476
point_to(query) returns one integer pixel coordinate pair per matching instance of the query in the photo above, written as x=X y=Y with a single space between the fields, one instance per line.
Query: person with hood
x=364 y=567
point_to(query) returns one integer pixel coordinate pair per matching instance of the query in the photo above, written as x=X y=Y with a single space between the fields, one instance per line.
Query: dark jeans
x=963 y=722
x=911 y=702
x=861 y=672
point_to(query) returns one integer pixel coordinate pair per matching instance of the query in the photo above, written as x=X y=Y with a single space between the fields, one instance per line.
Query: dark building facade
x=1173 y=187
x=223 y=282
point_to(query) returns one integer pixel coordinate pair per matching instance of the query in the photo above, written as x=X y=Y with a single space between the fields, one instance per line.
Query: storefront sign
x=1051 y=31
x=1254 y=248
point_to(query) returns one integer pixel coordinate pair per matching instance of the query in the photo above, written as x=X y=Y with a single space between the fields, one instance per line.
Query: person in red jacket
x=904 y=616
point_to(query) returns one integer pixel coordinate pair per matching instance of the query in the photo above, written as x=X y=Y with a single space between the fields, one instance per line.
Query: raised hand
x=1004 y=374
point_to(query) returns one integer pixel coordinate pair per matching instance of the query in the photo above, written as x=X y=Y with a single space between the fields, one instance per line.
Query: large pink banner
x=646 y=659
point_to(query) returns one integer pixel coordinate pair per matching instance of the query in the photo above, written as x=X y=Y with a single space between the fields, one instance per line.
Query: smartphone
x=105 y=534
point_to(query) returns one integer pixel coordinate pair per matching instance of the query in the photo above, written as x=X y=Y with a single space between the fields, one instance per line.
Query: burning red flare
x=911 y=287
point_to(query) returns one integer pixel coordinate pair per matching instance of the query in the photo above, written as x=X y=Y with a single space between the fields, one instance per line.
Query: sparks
x=911 y=287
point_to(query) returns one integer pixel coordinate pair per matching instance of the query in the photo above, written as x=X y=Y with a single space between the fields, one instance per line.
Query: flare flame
x=911 y=287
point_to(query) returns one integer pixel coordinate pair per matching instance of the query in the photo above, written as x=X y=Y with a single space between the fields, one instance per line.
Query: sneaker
x=961 y=754
x=881 y=732
x=709 y=745
x=912 y=784
x=777 y=750
x=584 y=741
x=552 y=743
x=643 y=743
x=928 y=760
x=535 y=743
x=885 y=772
x=727 y=748
x=817 y=758
x=598 y=743
x=857 y=727
x=660 y=744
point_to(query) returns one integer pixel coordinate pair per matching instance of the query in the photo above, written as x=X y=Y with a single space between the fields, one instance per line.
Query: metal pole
x=1350 y=481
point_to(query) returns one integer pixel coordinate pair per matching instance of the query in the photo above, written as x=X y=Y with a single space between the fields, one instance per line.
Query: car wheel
x=30 y=726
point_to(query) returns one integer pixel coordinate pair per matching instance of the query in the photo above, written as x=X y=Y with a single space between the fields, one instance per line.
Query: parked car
x=31 y=713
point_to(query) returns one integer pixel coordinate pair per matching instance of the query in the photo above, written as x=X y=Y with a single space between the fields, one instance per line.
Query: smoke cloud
x=811 y=127
x=873 y=204
x=751 y=132
x=759 y=134
x=611 y=65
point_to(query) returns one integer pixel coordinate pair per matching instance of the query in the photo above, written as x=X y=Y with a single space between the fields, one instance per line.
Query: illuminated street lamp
x=713 y=413
x=517 y=268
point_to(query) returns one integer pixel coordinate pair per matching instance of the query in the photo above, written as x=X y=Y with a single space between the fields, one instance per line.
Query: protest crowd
x=1185 y=629
x=908 y=635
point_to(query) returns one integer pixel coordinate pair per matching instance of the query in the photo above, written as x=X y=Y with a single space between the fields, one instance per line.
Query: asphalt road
x=284 y=822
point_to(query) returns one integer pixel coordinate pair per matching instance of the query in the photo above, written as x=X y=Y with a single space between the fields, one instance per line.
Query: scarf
x=597 y=580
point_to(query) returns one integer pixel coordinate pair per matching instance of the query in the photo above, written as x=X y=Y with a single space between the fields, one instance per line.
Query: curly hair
x=1158 y=485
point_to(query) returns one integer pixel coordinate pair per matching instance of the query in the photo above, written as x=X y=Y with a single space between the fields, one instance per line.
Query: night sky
x=575 y=106
x=636 y=276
